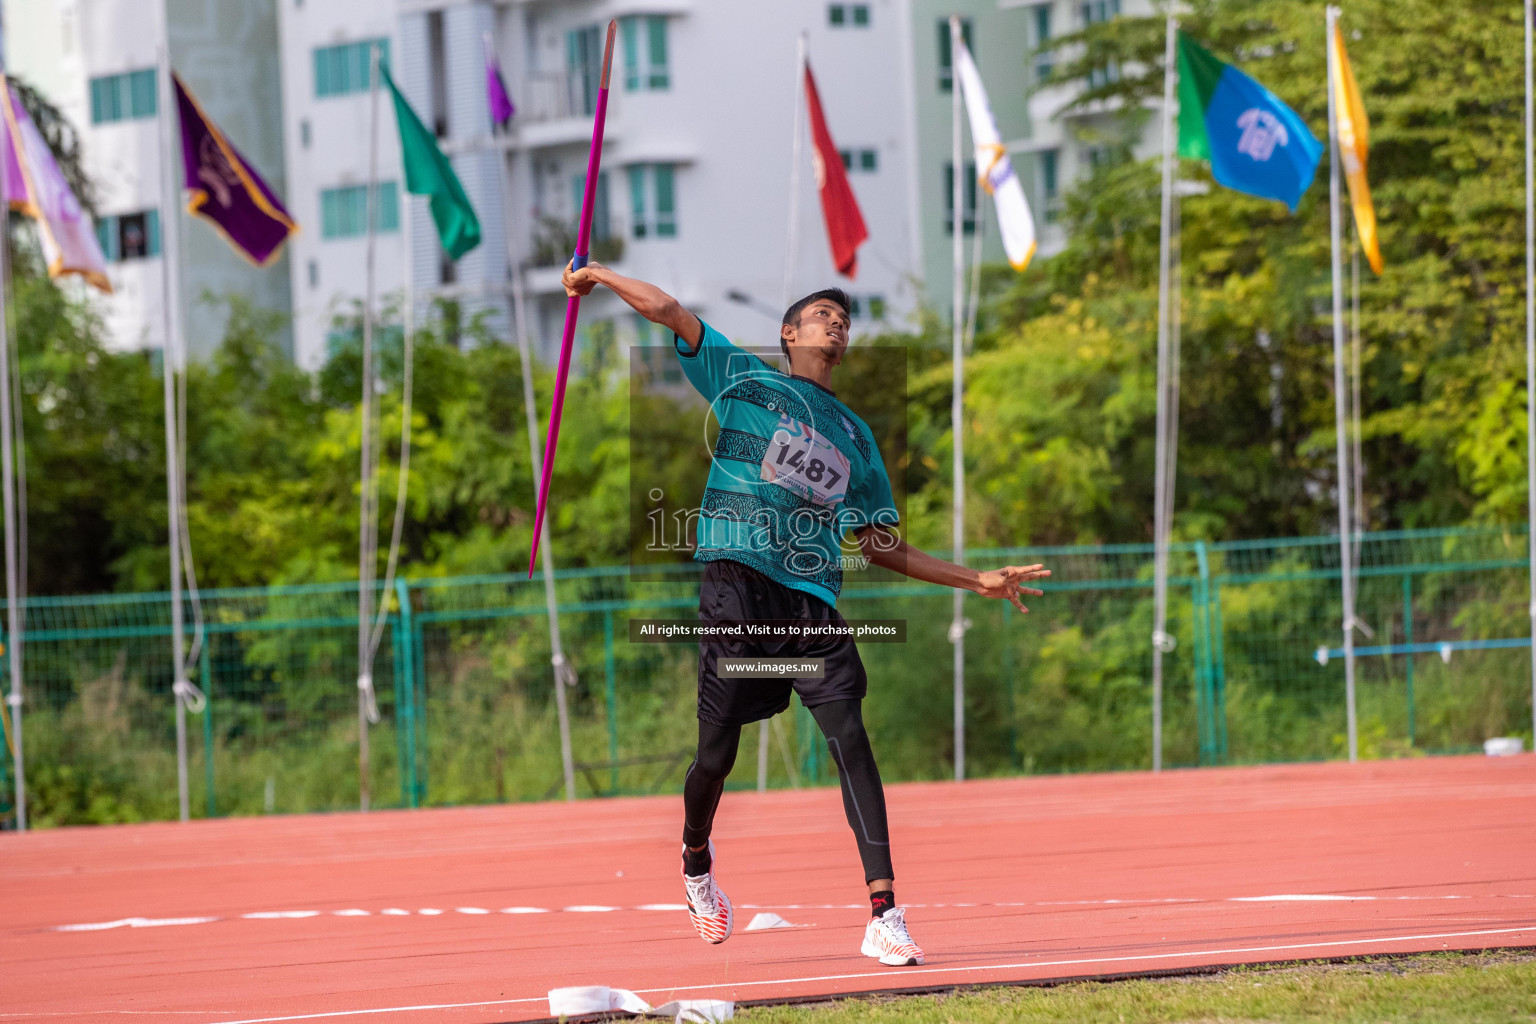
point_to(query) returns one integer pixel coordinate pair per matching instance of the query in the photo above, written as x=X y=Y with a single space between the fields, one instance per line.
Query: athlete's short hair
x=792 y=314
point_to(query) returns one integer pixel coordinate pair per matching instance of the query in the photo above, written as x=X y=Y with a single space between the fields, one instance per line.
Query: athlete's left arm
x=885 y=548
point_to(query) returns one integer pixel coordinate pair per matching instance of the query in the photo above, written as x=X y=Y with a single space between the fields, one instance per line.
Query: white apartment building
x=694 y=187
x=694 y=193
x=95 y=59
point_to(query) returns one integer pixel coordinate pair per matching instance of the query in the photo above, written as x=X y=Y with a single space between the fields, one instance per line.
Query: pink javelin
x=573 y=303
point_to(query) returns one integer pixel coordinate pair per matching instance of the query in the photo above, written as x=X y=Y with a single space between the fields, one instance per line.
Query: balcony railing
x=554 y=240
x=553 y=97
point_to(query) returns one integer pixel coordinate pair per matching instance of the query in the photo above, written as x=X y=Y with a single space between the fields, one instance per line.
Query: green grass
x=1443 y=987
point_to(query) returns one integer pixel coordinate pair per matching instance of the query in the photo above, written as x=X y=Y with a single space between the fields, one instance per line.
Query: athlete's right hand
x=579 y=282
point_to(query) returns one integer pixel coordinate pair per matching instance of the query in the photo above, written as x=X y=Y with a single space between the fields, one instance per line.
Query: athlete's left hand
x=1005 y=582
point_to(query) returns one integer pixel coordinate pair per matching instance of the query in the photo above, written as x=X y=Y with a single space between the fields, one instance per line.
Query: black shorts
x=732 y=592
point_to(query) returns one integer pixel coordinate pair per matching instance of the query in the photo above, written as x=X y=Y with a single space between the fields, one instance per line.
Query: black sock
x=696 y=862
x=880 y=902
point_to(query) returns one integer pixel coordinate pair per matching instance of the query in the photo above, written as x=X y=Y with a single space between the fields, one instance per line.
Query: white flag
x=993 y=168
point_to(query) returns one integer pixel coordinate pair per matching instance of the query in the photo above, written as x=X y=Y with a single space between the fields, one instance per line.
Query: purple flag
x=225 y=189
x=35 y=187
x=496 y=90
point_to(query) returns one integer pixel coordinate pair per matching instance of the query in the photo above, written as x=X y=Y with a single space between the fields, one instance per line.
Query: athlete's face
x=823 y=327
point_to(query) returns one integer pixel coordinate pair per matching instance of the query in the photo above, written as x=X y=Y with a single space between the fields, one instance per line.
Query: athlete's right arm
x=646 y=299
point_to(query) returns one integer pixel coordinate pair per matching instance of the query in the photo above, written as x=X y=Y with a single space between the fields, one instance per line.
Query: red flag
x=845 y=224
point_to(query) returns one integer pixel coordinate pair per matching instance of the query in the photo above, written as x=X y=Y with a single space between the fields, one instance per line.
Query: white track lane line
x=271 y=915
x=912 y=972
x=134 y=922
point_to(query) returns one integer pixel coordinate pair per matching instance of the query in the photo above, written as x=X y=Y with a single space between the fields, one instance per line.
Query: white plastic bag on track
x=579 y=1000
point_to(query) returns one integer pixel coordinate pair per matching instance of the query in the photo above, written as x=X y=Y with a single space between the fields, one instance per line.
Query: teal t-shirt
x=793 y=470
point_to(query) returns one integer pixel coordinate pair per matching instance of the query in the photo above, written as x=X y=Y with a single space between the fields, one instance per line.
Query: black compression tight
x=842 y=723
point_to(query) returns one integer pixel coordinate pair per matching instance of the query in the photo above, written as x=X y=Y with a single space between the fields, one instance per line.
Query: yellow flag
x=1354 y=145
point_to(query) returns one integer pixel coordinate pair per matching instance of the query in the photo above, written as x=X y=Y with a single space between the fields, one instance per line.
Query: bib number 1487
x=802 y=461
x=810 y=467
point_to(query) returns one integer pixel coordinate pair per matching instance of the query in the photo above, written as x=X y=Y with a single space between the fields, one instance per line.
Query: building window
x=1050 y=192
x=969 y=223
x=314 y=273
x=344 y=211
x=839 y=15
x=1097 y=12
x=865 y=160
x=653 y=200
x=346 y=68
x=656 y=354
x=1108 y=74
x=1042 y=27
x=1101 y=158
x=866 y=307
x=124 y=97
x=645 y=53
x=304 y=133
x=584 y=66
x=602 y=222
x=129 y=236
x=946 y=59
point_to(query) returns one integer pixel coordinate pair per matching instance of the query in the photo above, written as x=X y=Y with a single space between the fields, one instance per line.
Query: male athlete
x=794 y=470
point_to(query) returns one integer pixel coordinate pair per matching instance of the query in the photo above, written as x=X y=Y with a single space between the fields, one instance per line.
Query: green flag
x=428 y=173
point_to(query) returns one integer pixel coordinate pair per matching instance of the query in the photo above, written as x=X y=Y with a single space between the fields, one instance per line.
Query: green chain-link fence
x=465 y=682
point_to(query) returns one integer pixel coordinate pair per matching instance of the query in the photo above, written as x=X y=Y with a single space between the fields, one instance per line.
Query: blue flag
x=1255 y=143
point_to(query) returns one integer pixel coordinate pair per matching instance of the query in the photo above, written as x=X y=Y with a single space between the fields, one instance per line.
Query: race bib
x=803 y=461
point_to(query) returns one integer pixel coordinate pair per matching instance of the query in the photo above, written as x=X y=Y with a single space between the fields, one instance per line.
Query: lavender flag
x=225 y=189
x=35 y=187
x=496 y=89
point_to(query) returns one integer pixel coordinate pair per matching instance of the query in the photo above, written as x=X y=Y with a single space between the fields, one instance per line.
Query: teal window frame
x=344 y=69
x=602 y=222
x=109 y=235
x=653 y=200
x=645 y=61
x=1044 y=59
x=946 y=58
x=344 y=211
x=583 y=65
x=969 y=222
x=864 y=161
x=655 y=354
x=1097 y=12
x=1050 y=183
x=129 y=96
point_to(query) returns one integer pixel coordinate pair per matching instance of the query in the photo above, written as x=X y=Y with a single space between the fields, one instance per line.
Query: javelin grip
x=578 y=260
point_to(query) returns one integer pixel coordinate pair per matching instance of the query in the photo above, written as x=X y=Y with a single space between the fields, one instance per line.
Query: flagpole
x=792 y=236
x=565 y=674
x=1339 y=393
x=957 y=399
x=367 y=529
x=1162 y=500
x=791 y=247
x=1530 y=349
x=13 y=612
x=171 y=360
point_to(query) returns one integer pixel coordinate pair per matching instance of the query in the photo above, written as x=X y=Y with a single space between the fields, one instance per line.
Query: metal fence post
x=405 y=692
x=205 y=677
x=421 y=774
x=1200 y=675
x=1408 y=642
x=611 y=697
x=1006 y=611
x=1205 y=727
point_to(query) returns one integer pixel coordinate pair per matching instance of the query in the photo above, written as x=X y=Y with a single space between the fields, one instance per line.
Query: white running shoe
x=886 y=939
x=708 y=907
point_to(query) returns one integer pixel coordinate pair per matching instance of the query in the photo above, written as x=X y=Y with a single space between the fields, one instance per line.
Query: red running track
x=290 y=918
